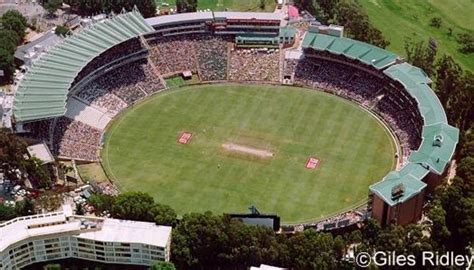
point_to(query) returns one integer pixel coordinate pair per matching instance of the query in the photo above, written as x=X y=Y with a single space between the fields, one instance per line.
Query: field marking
x=312 y=163
x=247 y=150
x=184 y=138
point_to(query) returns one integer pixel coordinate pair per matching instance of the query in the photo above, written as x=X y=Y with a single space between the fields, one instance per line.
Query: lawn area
x=231 y=5
x=398 y=19
x=177 y=81
x=92 y=171
x=141 y=151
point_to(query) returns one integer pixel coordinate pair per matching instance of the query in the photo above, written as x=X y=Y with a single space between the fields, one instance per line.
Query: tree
x=14 y=20
x=38 y=173
x=448 y=79
x=197 y=240
x=439 y=231
x=450 y=31
x=9 y=39
x=186 y=6
x=7 y=63
x=262 y=4
x=62 y=31
x=436 y=22
x=458 y=202
x=13 y=162
x=164 y=215
x=466 y=40
x=53 y=267
x=465 y=170
x=134 y=206
x=6 y=212
x=421 y=55
x=87 y=8
x=310 y=6
x=25 y=207
x=163 y=266
x=80 y=210
x=102 y=203
x=52 y=6
x=356 y=22
x=146 y=7
x=312 y=250
x=12 y=152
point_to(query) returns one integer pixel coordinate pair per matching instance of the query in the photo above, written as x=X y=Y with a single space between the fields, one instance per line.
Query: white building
x=61 y=235
x=266 y=267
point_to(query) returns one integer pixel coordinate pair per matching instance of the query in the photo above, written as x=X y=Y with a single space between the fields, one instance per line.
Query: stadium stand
x=76 y=140
x=254 y=65
x=113 y=64
x=212 y=57
x=43 y=91
x=172 y=55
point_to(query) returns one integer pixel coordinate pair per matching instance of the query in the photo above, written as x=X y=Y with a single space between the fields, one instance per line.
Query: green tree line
x=12 y=32
x=347 y=13
x=93 y=7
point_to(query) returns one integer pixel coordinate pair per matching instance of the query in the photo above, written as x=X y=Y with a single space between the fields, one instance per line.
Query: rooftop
x=354 y=49
x=266 y=267
x=232 y=15
x=41 y=151
x=115 y=230
x=45 y=40
x=437 y=147
x=22 y=228
x=409 y=177
x=180 y=17
x=93 y=228
x=43 y=91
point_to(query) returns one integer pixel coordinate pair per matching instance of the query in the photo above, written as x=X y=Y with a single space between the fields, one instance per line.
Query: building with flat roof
x=266 y=267
x=40 y=151
x=62 y=235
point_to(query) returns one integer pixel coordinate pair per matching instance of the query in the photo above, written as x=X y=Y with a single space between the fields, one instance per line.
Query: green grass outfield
x=141 y=152
x=398 y=19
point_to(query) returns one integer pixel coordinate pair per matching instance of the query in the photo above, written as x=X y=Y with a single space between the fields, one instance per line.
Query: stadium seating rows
x=212 y=58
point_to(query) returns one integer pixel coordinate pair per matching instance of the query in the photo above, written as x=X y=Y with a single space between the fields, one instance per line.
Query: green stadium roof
x=409 y=177
x=439 y=139
x=415 y=82
x=287 y=31
x=437 y=147
x=44 y=90
x=364 y=52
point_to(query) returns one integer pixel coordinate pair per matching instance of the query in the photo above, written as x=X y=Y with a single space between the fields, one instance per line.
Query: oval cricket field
x=299 y=153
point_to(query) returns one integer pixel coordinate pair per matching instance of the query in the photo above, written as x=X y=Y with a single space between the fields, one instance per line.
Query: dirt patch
x=247 y=150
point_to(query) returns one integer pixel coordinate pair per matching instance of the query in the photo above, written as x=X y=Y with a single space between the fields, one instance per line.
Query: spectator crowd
x=76 y=140
x=212 y=57
x=376 y=93
x=122 y=50
x=124 y=80
x=172 y=55
x=254 y=65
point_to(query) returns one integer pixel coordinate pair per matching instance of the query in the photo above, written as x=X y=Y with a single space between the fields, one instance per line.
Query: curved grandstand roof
x=364 y=52
x=43 y=91
x=439 y=139
x=416 y=82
